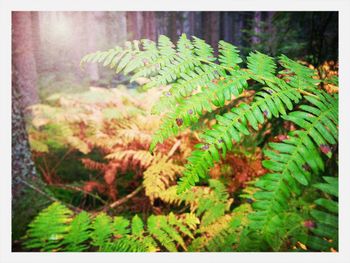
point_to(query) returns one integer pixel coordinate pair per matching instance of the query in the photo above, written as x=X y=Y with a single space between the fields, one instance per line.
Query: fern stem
x=307 y=93
x=214 y=64
x=261 y=77
x=173 y=149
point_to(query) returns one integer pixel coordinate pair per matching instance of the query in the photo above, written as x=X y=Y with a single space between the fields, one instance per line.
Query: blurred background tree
x=62 y=38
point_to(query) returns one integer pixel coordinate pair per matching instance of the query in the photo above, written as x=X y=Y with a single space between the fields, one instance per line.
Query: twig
x=76 y=188
x=125 y=198
x=76 y=209
x=138 y=189
x=61 y=160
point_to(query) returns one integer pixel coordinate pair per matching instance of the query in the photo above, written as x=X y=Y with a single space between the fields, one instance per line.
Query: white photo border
x=7 y=6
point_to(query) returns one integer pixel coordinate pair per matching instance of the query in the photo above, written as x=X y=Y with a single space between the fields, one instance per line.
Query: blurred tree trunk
x=172 y=27
x=256 y=28
x=134 y=22
x=149 y=25
x=227 y=26
x=272 y=41
x=189 y=23
x=36 y=39
x=211 y=26
x=24 y=93
x=91 y=28
x=23 y=60
x=116 y=28
x=120 y=27
x=319 y=23
x=238 y=20
x=198 y=29
x=161 y=23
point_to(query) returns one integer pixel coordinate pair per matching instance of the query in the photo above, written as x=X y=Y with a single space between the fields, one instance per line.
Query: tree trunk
x=161 y=23
x=198 y=29
x=91 y=27
x=211 y=26
x=36 y=39
x=134 y=22
x=272 y=33
x=24 y=93
x=256 y=28
x=23 y=61
x=237 y=29
x=148 y=26
x=172 y=27
x=189 y=23
x=227 y=26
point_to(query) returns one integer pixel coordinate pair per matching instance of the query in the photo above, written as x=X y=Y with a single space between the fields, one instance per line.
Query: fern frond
x=164 y=230
x=159 y=175
x=262 y=66
x=209 y=203
x=273 y=100
x=78 y=233
x=229 y=55
x=93 y=165
x=324 y=229
x=292 y=162
x=141 y=156
x=325 y=111
x=37 y=145
x=224 y=233
x=56 y=228
x=120 y=226
x=297 y=75
x=101 y=231
x=48 y=228
x=184 y=61
x=137 y=226
x=156 y=228
x=189 y=110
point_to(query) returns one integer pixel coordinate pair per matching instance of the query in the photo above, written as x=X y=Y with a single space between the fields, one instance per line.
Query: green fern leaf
x=78 y=233
x=101 y=231
x=48 y=229
x=230 y=127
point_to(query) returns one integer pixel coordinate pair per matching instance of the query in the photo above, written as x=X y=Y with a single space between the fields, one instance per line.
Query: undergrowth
x=179 y=166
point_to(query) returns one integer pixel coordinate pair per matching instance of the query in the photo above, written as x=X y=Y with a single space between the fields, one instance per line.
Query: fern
x=200 y=83
x=67 y=232
x=101 y=231
x=78 y=233
x=224 y=233
x=297 y=159
x=158 y=176
x=191 y=67
x=324 y=228
x=231 y=125
x=47 y=230
x=209 y=203
x=195 y=83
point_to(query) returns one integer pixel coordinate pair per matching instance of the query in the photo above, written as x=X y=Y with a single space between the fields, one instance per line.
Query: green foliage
x=57 y=228
x=48 y=229
x=78 y=233
x=293 y=162
x=324 y=230
x=290 y=208
x=184 y=104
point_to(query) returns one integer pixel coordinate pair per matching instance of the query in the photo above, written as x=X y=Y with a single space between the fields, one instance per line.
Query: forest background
x=48 y=46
